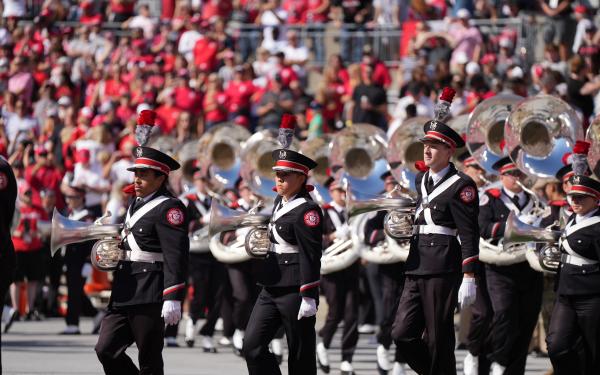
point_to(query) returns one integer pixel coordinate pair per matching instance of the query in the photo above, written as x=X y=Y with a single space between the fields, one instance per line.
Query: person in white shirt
x=143 y=21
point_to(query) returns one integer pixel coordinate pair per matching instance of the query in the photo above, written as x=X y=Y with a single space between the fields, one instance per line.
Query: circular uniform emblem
x=311 y=218
x=3 y=181
x=175 y=216
x=468 y=194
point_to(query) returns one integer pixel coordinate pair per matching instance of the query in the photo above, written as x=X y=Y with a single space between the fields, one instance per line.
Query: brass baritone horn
x=105 y=253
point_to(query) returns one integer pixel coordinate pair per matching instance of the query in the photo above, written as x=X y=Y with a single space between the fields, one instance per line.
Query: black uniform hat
x=584 y=185
x=467 y=160
x=437 y=131
x=505 y=165
x=292 y=161
x=564 y=173
x=333 y=184
x=147 y=157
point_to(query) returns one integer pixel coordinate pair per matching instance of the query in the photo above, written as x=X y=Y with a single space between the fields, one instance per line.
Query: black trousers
x=244 y=292
x=77 y=300
x=392 y=283
x=274 y=307
x=123 y=326
x=575 y=332
x=208 y=278
x=7 y=274
x=424 y=325
x=478 y=337
x=516 y=295
x=341 y=293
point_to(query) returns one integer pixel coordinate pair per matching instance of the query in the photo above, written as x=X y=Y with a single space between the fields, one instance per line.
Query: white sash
x=576 y=258
x=79 y=215
x=511 y=206
x=426 y=198
x=287 y=208
x=137 y=254
x=335 y=219
x=282 y=246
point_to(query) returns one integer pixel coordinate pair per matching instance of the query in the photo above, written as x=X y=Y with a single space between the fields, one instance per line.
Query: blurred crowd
x=72 y=88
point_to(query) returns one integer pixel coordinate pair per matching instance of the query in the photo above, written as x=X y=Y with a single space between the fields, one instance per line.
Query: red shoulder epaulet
x=494 y=192
x=192 y=197
x=274 y=189
x=234 y=205
x=327 y=206
x=558 y=203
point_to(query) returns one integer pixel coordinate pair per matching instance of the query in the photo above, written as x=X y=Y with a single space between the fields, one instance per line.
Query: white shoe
x=383 y=361
x=398 y=369
x=238 y=339
x=225 y=341
x=346 y=368
x=208 y=345
x=366 y=328
x=497 y=369
x=277 y=347
x=323 y=357
x=471 y=365
x=171 y=342
x=219 y=325
x=71 y=330
x=7 y=312
x=190 y=332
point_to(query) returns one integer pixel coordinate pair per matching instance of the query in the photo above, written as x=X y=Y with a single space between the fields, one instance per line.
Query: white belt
x=434 y=229
x=284 y=248
x=575 y=260
x=142 y=256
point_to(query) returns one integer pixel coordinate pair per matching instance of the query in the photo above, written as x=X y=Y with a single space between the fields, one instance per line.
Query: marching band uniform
x=8 y=197
x=289 y=277
x=447 y=209
x=574 y=326
x=392 y=282
x=515 y=290
x=206 y=273
x=151 y=283
x=341 y=291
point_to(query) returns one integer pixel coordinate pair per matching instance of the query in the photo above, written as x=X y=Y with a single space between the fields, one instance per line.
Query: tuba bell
x=223 y=219
x=105 y=252
x=318 y=150
x=518 y=233
x=404 y=149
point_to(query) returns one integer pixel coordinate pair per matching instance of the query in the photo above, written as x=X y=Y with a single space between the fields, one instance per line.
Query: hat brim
x=426 y=139
x=139 y=167
x=288 y=169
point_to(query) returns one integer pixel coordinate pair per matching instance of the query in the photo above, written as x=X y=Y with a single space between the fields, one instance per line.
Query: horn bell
x=223 y=218
x=404 y=149
x=517 y=232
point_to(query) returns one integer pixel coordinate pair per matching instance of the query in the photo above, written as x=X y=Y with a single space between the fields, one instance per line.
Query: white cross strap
x=137 y=254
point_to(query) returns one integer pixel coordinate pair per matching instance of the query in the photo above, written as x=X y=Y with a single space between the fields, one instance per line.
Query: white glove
x=467 y=292
x=343 y=232
x=86 y=270
x=308 y=308
x=171 y=312
x=206 y=219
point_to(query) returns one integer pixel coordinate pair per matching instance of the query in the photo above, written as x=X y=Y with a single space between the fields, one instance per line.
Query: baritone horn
x=105 y=252
x=404 y=149
x=318 y=150
x=223 y=218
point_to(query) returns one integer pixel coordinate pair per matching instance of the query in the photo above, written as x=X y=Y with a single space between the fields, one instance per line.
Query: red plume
x=146 y=117
x=581 y=147
x=288 y=121
x=566 y=159
x=447 y=94
x=420 y=165
x=129 y=189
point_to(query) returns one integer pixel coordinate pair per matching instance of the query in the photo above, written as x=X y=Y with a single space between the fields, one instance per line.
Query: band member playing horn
x=392 y=282
x=149 y=286
x=574 y=332
x=206 y=273
x=515 y=290
x=478 y=327
x=340 y=288
x=438 y=263
x=290 y=273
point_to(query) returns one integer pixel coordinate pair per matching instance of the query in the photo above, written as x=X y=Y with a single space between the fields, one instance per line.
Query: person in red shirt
x=89 y=16
x=381 y=74
x=205 y=53
x=214 y=103
x=167 y=113
x=296 y=11
x=186 y=98
x=43 y=175
x=28 y=249
x=239 y=91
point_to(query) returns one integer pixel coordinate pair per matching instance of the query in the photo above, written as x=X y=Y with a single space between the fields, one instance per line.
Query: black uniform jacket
x=374 y=232
x=328 y=223
x=457 y=208
x=303 y=227
x=162 y=230
x=8 y=197
x=82 y=249
x=581 y=280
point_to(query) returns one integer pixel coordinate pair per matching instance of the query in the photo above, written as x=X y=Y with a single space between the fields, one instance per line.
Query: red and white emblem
x=3 y=181
x=175 y=216
x=468 y=194
x=311 y=218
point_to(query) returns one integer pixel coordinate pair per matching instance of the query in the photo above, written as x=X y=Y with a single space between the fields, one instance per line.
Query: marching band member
x=478 y=328
x=574 y=333
x=340 y=288
x=77 y=258
x=515 y=290
x=150 y=285
x=290 y=273
x=438 y=263
x=8 y=197
x=206 y=273
x=392 y=282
